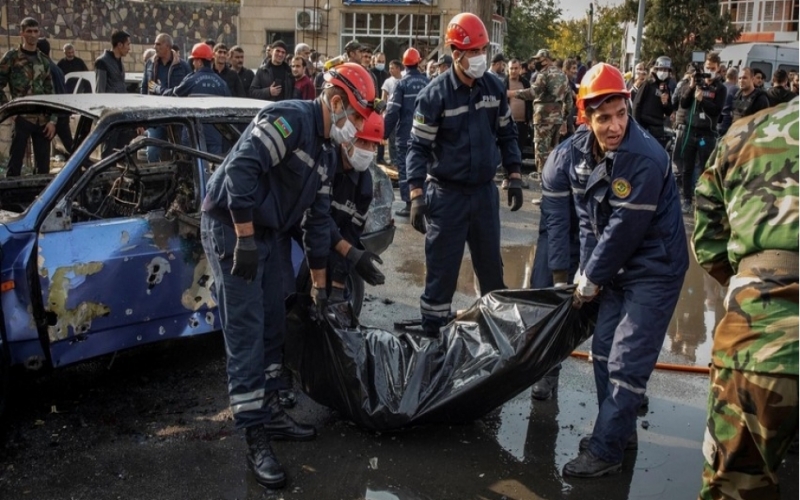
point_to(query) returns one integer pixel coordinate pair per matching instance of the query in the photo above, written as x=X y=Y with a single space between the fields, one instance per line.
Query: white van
x=87 y=79
x=768 y=57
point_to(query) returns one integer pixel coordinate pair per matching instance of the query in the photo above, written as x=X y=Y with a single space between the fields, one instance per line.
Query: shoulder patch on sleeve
x=621 y=187
x=283 y=127
x=419 y=117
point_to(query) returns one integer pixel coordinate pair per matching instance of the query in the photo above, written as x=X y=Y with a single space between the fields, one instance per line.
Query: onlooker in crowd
x=395 y=73
x=352 y=51
x=746 y=238
x=779 y=93
x=164 y=71
x=379 y=70
x=246 y=75
x=203 y=81
x=521 y=110
x=498 y=67
x=273 y=80
x=59 y=85
x=445 y=62
x=581 y=70
x=110 y=74
x=687 y=77
x=303 y=86
x=571 y=70
x=652 y=105
x=148 y=54
x=176 y=49
x=758 y=78
x=794 y=84
x=750 y=99
x=697 y=117
x=731 y=86
x=303 y=50
x=71 y=63
x=222 y=68
x=638 y=80
x=431 y=70
x=366 y=61
x=26 y=71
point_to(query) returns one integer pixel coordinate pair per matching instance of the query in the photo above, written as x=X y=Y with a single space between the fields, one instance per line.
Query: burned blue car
x=103 y=253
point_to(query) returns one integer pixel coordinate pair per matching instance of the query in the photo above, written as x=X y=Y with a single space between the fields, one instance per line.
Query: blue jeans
x=154 y=153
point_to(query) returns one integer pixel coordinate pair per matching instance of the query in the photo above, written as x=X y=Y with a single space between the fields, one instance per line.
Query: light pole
x=590 y=54
x=637 y=51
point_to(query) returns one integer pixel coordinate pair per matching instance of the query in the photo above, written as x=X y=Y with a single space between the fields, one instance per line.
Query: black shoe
x=405 y=211
x=631 y=445
x=588 y=465
x=545 y=388
x=283 y=427
x=287 y=398
x=262 y=460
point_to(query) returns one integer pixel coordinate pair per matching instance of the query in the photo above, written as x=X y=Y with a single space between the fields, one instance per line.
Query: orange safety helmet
x=466 y=31
x=601 y=80
x=202 y=51
x=357 y=84
x=411 y=57
x=373 y=128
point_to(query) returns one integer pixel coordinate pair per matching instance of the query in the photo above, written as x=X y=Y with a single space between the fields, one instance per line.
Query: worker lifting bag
x=499 y=347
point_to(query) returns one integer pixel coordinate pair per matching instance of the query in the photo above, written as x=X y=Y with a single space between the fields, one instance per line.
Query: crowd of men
x=611 y=211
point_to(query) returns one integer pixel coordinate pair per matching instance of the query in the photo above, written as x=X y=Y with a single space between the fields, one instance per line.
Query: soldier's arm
x=712 y=228
x=5 y=73
x=569 y=103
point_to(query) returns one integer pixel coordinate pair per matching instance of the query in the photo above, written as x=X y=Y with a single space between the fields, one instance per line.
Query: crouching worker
x=278 y=173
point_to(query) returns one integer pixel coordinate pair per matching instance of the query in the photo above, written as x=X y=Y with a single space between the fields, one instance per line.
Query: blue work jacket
x=281 y=166
x=559 y=218
x=400 y=111
x=202 y=82
x=631 y=226
x=459 y=133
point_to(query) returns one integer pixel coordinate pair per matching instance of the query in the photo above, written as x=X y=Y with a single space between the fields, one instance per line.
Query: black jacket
x=110 y=73
x=750 y=104
x=232 y=80
x=526 y=84
x=246 y=75
x=707 y=111
x=264 y=79
x=647 y=108
x=779 y=95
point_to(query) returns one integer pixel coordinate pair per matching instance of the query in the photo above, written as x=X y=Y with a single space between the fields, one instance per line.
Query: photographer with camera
x=652 y=104
x=701 y=103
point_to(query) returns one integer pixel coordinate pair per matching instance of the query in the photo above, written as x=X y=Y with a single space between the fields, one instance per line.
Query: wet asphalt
x=516 y=452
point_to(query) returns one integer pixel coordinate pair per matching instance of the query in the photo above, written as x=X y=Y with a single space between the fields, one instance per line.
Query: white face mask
x=380 y=66
x=662 y=75
x=477 y=66
x=345 y=134
x=359 y=158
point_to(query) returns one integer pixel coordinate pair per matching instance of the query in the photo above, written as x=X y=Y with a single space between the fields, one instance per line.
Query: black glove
x=365 y=267
x=419 y=210
x=245 y=258
x=515 y=194
x=320 y=298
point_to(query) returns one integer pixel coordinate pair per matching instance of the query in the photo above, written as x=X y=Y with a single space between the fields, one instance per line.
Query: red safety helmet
x=411 y=57
x=357 y=84
x=202 y=51
x=373 y=128
x=466 y=31
x=600 y=82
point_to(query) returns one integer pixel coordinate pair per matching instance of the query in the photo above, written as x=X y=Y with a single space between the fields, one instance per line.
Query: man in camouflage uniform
x=26 y=71
x=552 y=104
x=746 y=237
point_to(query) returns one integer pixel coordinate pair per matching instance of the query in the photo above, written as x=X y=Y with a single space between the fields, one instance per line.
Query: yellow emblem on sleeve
x=621 y=187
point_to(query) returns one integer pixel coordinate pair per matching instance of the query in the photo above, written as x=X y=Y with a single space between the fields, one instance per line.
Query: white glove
x=560 y=286
x=585 y=287
x=577 y=277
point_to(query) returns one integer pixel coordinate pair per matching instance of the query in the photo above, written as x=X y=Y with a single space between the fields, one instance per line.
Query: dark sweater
x=110 y=74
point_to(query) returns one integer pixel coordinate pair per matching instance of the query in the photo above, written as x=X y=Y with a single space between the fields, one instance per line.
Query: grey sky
x=572 y=9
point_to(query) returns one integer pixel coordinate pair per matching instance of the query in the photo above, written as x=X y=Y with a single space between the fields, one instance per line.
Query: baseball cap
x=279 y=44
x=543 y=53
x=498 y=58
x=353 y=45
x=445 y=59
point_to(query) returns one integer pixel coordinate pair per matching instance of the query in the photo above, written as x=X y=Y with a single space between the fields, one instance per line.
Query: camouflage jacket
x=747 y=203
x=22 y=77
x=551 y=96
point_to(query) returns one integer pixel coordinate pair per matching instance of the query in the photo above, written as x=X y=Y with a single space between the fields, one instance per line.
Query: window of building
x=770 y=15
x=392 y=33
x=498 y=33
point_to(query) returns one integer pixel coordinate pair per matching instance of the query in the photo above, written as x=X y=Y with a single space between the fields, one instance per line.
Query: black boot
x=631 y=445
x=282 y=427
x=262 y=460
x=405 y=211
x=588 y=465
x=545 y=388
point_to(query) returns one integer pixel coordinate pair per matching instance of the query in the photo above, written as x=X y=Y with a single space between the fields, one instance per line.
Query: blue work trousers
x=457 y=215
x=631 y=326
x=402 y=175
x=252 y=315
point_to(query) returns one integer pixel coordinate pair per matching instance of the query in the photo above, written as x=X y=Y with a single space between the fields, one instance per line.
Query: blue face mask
x=380 y=66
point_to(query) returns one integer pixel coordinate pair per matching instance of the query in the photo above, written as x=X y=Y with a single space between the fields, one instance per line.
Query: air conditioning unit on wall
x=307 y=20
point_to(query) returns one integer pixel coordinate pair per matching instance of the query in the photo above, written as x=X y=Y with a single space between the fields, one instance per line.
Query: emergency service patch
x=283 y=127
x=621 y=187
x=419 y=118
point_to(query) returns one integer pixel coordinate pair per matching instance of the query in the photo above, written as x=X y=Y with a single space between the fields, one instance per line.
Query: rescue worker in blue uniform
x=399 y=116
x=633 y=259
x=278 y=172
x=462 y=126
x=203 y=82
x=558 y=246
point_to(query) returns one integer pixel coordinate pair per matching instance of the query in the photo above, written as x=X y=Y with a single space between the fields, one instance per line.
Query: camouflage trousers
x=545 y=139
x=752 y=419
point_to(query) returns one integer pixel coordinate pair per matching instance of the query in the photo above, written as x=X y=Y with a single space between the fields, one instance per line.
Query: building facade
x=764 y=20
